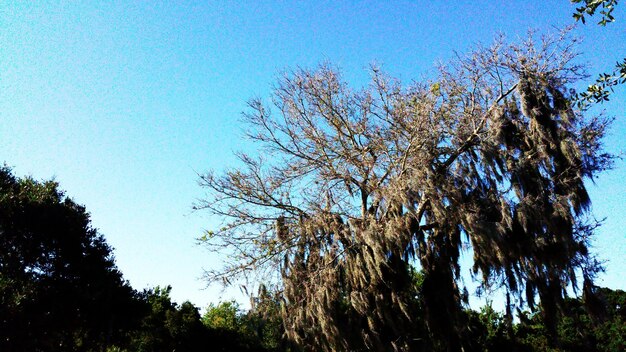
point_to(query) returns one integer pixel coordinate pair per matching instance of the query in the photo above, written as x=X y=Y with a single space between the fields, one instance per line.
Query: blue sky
x=124 y=102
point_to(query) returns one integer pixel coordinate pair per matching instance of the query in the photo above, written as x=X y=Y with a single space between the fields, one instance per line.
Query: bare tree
x=355 y=188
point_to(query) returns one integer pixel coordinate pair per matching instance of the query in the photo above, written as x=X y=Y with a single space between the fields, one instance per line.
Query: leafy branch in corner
x=591 y=6
x=599 y=91
x=603 y=87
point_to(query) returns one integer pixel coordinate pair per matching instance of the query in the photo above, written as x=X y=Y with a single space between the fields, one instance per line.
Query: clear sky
x=124 y=102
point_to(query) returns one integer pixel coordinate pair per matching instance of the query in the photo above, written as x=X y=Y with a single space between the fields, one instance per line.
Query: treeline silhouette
x=61 y=291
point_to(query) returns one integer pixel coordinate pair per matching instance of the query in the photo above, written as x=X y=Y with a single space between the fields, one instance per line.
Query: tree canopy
x=356 y=189
x=59 y=287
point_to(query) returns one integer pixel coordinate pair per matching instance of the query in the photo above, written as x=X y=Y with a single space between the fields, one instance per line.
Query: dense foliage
x=61 y=291
x=59 y=287
x=258 y=329
x=577 y=330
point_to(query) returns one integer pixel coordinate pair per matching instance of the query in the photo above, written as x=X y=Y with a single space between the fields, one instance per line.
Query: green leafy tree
x=241 y=330
x=578 y=329
x=187 y=329
x=167 y=326
x=611 y=333
x=59 y=287
x=265 y=321
x=490 y=330
x=225 y=315
x=154 y=334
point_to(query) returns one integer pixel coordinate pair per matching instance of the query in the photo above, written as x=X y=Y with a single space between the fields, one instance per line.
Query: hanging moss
x=377 y=183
